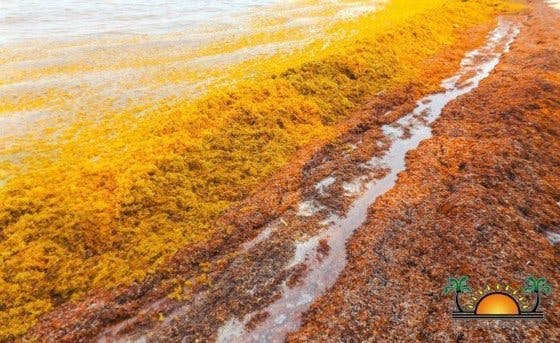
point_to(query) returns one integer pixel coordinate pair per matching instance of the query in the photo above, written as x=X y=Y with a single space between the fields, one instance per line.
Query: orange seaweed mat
x=110 y=199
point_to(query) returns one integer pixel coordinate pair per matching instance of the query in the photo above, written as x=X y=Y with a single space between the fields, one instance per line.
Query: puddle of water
x=233 y=329
x=352 y=188
x=393 y=131
x=553 y=237
x=330 y=220
x=323 y=186
x=308 y=208
x=263 y=235
x=303 y=251
x=286 y=312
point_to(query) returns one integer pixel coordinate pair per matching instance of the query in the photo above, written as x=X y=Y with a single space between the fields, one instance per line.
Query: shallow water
x=406 y=134
x=23 y=20
x=96 y=58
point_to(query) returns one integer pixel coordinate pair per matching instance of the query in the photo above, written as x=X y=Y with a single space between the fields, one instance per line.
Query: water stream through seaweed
x=285 y=314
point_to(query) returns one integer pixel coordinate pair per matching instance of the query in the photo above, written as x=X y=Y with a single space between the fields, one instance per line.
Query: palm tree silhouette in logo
x=457 y=285
x=537 y=286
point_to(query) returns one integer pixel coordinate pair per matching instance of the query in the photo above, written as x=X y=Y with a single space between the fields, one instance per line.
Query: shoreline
x=285 y=189
x=333 y=112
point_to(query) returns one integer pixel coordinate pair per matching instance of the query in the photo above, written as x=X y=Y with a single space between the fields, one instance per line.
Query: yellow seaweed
x=108 y=199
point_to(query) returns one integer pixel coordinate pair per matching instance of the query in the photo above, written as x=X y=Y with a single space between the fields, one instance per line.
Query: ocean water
x=24 y=20
x=69 y=61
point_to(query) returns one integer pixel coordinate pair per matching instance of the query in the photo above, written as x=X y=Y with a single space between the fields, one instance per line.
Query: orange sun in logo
x=497 y=303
